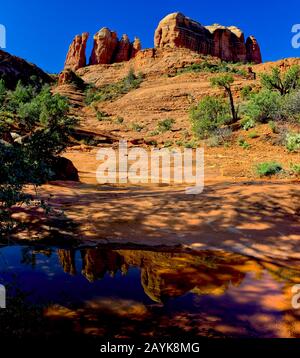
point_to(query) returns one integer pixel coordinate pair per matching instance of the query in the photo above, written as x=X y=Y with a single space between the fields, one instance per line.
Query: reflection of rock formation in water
x=166 y=275
x=67 y=261
x=96 y=262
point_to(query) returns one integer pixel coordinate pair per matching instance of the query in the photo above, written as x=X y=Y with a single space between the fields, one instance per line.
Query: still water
x=131 y=293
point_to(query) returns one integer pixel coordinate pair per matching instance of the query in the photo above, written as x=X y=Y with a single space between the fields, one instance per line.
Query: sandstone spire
x=76 y=55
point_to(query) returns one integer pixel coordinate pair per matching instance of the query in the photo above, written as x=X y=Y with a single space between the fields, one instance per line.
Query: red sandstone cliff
x=227 y=43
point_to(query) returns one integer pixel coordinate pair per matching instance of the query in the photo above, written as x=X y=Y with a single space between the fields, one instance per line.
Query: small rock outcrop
x=76 y=57
x=227 y=43
x=69 y=77
x=64 y=169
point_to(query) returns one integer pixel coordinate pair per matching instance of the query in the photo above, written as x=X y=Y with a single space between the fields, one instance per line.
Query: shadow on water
x=53 y=291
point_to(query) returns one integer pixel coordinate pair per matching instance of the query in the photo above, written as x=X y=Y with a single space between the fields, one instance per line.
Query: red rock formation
x=238 y=44
x=227 y=43
x=65 y=77
x=14 y=69
x=176 y=30
x=105 y=45
x=123 y=50
x=136 y=47
x=76 y=55
x=253 y=50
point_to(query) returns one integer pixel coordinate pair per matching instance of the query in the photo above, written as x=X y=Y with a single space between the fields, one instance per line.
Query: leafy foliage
x=264 y=106
x=41 y=128
x=268 y=169
x=165 y=125
x=206 y=66
x=113 y=91
x=293 y=142
x=283 y=83
x=210 y=114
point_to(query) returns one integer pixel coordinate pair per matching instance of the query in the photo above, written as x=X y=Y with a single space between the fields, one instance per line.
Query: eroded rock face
x=176 y=30
x=253 y=50
x=105 y=45
x=14 y=69
x=123 y=50
x=76 y=57
x=227 y=43
x=136 y=47
x=109 y=49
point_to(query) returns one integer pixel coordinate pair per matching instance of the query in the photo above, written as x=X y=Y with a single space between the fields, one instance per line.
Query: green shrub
x=102 y=116
x=179 y=143
x=137 y=127
x=243 y=143
x=291 y=107
x=295 y=168
x=113 y=91
x=273 y=127
x=268 y=169
x=168 y=144
x=264 y=106
x=220 y=136
x=165 y=125
x=210 y=114
x=293 y=142
x=253 y=135
x=154 y=133
x=193 y=144
x=246 y=92
x=248 y=124
x=206 y=66
x=119 y=120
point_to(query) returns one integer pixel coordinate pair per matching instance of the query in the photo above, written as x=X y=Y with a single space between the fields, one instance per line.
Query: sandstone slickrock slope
x=14 y=69
x=76 y=57
x=227 y=43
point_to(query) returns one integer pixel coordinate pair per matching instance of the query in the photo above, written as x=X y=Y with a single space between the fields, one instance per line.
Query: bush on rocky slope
x=211 y=113
x=113 y=91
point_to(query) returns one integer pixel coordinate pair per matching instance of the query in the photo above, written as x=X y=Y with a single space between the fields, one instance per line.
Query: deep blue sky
x=41 y=31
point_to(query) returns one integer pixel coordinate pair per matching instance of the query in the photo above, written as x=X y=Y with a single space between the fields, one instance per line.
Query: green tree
x=284 y=83
x=225 y=82
x=41 y=121
x=3 y=91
